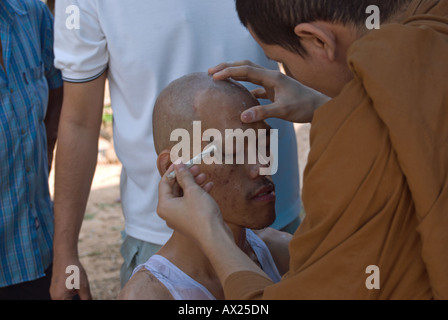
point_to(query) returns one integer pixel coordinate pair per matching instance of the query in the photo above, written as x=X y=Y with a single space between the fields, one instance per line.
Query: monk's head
x=245 y=197
x=311 y=37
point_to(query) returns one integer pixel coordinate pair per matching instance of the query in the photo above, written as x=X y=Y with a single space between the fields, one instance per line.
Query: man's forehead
x=216 y=106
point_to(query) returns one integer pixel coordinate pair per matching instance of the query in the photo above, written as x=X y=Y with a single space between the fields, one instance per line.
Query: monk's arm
x=240 y=277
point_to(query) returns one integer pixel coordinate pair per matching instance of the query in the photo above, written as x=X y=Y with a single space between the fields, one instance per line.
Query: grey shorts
x=134 y=252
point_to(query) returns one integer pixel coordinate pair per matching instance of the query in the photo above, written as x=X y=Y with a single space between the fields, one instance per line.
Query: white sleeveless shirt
x=183 y=287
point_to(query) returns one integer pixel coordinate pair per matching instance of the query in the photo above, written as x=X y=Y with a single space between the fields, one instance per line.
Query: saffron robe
x=376 y=183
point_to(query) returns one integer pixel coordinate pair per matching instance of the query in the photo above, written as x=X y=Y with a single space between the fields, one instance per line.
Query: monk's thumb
x=260 y=113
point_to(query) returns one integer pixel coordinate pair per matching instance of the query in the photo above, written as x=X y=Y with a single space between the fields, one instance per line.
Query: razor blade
x=195 y=160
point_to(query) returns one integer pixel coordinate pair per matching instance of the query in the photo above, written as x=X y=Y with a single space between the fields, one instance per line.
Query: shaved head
x=185 y=100
x=217 y=105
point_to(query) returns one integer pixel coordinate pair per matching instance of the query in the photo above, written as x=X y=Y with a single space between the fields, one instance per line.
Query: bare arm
x=52 y=121
x=76 y=158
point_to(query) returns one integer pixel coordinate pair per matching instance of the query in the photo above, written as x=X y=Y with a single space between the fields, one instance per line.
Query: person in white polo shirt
x=140 y=46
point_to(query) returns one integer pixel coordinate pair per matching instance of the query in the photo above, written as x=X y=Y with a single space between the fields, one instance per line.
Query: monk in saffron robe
x=376 y=183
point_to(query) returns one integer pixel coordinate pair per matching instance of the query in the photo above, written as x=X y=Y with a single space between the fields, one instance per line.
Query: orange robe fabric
x=376 y=183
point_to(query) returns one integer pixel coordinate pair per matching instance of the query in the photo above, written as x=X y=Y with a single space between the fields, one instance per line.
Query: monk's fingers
x=208 y=187
x=242 y=73
x=177 y=190
x=195 y=171
x=225 y=65
x=201 y=178
x=198 y=177
x=259 y=76
x=260 y=93
x=263 y=112
x=166 y=186
x=184 y=178
x=171 y=188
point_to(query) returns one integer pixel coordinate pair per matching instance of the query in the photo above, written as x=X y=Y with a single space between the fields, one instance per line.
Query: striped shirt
x=26 y=210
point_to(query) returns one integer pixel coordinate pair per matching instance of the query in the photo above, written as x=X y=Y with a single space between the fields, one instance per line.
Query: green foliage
x=107 y=114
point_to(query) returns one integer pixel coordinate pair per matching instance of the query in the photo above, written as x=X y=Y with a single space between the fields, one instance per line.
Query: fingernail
x=220 y=74
x=248 y=116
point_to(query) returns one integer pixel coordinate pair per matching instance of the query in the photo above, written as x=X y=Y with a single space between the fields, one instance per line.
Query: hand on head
x=291 y=100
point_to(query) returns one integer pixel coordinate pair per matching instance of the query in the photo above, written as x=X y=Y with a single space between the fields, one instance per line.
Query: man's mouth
x=265 y=194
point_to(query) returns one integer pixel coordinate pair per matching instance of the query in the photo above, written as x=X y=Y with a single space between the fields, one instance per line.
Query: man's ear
x=163 y=161
x=318 y=39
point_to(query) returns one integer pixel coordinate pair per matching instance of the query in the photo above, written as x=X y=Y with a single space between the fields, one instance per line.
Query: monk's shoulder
x=144 y=286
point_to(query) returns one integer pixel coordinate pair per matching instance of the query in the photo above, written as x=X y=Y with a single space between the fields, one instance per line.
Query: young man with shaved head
x=376 y=183
x=180 y=270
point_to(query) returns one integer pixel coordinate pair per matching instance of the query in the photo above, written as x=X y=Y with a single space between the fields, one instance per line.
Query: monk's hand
x=291 y=100
x=185 y=203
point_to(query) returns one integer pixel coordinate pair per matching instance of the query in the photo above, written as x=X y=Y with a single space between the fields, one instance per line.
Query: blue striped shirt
x=26 y=210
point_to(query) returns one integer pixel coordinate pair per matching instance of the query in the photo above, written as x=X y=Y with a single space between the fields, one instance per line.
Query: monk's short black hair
x=273 y=21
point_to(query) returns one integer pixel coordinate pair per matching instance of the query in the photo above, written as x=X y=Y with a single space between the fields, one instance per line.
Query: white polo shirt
x=145 y=45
